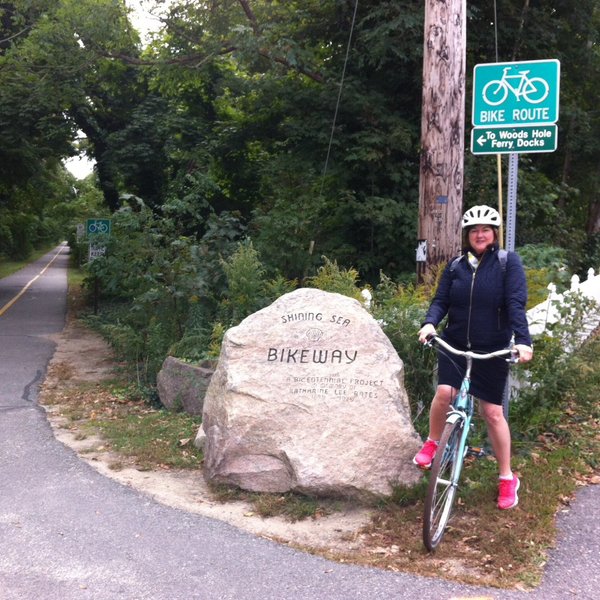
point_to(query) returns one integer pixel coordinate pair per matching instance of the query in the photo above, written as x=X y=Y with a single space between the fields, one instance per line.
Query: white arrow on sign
x=481 y=140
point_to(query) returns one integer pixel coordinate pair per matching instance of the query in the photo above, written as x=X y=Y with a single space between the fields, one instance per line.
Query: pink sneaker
x=425 y=456
x=507 y=493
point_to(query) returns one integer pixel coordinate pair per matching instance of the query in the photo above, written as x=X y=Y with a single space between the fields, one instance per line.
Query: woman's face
x=480 y=237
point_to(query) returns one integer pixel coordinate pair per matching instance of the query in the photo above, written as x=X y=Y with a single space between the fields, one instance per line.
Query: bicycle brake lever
x=429 y=340
x=514 y=357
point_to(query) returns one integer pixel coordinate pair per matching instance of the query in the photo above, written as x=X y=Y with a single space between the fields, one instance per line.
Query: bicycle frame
x=462 y=409
x=523 y=81
x=449 y=459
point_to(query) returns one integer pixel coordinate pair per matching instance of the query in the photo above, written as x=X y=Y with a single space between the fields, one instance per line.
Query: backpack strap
x=502 y=257
x=455 y=262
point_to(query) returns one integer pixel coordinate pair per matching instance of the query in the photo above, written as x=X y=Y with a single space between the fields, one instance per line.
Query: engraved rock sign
x=308 y=396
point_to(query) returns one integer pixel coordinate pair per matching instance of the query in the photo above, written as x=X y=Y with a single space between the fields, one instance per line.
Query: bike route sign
x=98 y=226
x=504 y=140
x=516 y=93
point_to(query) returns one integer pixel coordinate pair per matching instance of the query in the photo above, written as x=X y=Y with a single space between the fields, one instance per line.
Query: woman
x=484 y=299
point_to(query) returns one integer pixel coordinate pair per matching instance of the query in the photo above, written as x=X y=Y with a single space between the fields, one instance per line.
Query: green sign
x=505 y=140
x=97 y=227
x=516 y=93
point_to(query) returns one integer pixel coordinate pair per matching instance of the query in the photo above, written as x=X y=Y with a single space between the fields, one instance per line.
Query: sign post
x=515 y=109
x=97 y=230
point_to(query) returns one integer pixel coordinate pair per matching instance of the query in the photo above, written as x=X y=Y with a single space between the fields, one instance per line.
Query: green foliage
x=544 y=264
x=219 y=131
x=591 y=254
x=163 y=294
x=543 y=256
x=331 y=278
x=245 y=283
x=216 y=339
x=400 y=310
x=230 y=111
x=550 y=374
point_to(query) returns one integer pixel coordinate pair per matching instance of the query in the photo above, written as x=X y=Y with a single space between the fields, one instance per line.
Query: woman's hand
x=425 y=331
x=525 y=352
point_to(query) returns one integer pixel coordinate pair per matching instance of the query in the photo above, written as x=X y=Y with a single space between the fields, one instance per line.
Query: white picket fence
x=549 y=311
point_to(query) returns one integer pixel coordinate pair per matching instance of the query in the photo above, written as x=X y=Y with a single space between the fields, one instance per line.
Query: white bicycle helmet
x=481 y=215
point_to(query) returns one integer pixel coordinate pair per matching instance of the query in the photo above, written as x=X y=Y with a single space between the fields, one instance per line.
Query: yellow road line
x=30 y=283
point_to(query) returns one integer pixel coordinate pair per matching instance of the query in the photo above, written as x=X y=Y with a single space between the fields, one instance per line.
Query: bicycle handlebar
x=514 y=354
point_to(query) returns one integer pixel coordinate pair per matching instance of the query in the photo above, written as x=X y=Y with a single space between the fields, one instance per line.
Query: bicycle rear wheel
x=441 y=491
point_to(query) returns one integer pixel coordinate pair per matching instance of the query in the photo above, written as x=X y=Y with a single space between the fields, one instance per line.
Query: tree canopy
x=228 y=115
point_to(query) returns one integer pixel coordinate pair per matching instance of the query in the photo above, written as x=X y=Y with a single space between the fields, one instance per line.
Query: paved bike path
x=67 y=532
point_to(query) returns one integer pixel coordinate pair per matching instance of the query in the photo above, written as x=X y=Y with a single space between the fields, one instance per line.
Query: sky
x=145 y=23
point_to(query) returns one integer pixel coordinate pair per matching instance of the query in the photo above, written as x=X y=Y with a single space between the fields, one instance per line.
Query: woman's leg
x=437 y=417
x=440 y=405
x=499 y=434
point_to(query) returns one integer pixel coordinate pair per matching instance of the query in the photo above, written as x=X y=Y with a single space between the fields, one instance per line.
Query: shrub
x=540 y=401
x=330 y=278
x=400 y=310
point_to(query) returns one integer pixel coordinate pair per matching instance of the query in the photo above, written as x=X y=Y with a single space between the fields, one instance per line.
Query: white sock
x=506 y=477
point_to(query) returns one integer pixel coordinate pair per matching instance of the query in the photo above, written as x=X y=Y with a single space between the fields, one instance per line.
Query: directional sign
x=516 y=93
x=95 y=252
x=98 y=226
x=504 y=140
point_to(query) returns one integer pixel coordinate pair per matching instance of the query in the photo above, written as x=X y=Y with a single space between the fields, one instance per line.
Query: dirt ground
x=81 y=357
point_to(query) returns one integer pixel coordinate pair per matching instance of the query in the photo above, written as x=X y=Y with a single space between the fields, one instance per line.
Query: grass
x=482 y=546
x=148 y=437
x=8 y=266
x=294 y=507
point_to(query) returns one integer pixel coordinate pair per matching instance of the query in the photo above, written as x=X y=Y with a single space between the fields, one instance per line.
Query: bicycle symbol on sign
x=534 y=90
x=98 y=227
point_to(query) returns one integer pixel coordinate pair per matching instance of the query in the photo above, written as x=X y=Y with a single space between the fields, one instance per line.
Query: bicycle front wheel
x=495 y=92
x=443 y=483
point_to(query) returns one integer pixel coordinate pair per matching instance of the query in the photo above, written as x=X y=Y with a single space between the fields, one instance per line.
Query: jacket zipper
x=471 y=301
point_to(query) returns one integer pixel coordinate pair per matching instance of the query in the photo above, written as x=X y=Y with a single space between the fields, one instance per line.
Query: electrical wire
x=337 y=105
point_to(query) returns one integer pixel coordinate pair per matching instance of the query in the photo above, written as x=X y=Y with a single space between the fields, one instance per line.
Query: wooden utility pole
x=442 y=133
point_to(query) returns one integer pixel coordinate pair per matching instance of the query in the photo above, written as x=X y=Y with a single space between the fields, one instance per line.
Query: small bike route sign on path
x=97 y=227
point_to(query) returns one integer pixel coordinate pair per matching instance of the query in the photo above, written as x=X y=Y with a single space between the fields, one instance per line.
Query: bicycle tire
x=497 y=96
x=441 y=492
x=536 y=94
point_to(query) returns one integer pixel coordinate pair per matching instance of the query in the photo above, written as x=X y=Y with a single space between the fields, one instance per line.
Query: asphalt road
x=67 y=532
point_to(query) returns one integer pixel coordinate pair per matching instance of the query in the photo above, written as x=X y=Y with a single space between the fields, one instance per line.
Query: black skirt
x=488 y=377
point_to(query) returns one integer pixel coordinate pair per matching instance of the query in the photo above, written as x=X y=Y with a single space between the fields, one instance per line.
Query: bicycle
x=534 y=89
x=452 y=449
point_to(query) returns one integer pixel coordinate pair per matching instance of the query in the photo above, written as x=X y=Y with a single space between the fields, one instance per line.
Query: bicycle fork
x=464 y=419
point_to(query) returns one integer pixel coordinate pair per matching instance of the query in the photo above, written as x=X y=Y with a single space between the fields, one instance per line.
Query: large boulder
x=308 y=396
x=182 y=386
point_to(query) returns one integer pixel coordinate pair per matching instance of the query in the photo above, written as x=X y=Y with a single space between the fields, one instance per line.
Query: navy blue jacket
x=484 y=306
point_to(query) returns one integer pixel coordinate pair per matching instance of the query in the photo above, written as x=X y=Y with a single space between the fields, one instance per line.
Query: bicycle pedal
x=476 y=452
